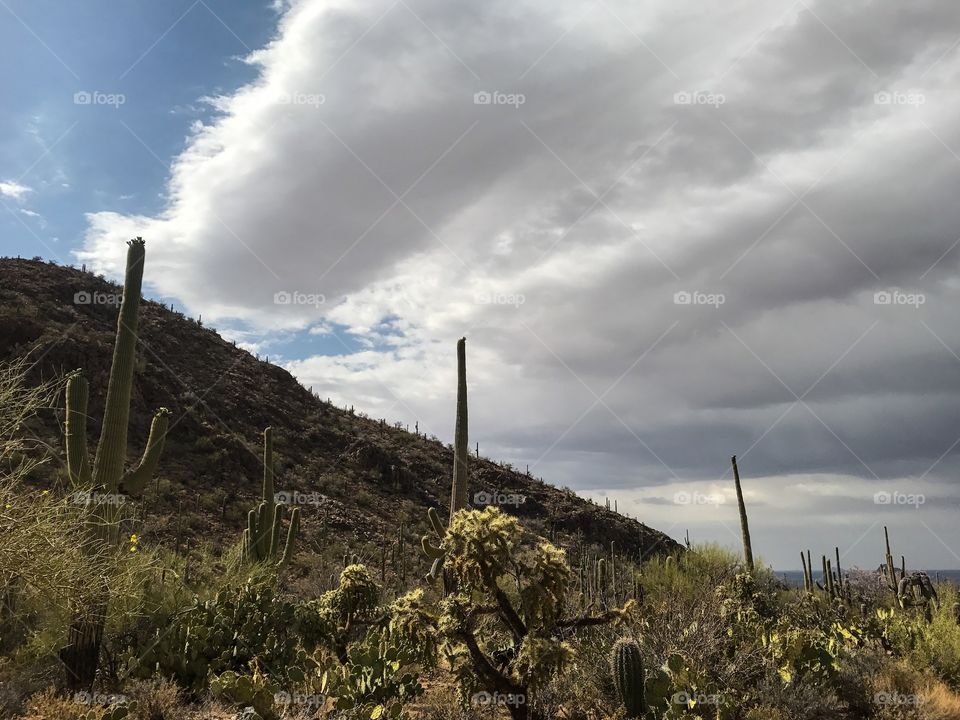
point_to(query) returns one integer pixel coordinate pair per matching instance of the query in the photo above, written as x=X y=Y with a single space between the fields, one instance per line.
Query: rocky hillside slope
x=367 y=476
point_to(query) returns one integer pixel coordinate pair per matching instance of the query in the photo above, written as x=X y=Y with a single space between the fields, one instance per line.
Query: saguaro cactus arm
x=268 y=494
x=434 y=550
x=75 y=436
x=135 y=480
x=292 y=533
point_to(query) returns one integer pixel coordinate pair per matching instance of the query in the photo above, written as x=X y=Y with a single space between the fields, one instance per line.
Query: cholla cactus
x=513 y=579
x=626 y=667
x=261 y=538
x=333 y=618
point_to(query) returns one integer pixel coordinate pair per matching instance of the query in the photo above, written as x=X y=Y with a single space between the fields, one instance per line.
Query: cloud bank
x=671 y=233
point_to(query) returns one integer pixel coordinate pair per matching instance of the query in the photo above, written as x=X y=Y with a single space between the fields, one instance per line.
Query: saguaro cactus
x=626 y=666
x=890 y=569
x=744 y=527
x=261 y=538
x=109 y=476
x=458 y=492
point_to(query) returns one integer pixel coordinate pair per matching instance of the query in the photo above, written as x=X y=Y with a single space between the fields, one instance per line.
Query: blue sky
x=159 y=61
x=671 y=231
x=163 y=57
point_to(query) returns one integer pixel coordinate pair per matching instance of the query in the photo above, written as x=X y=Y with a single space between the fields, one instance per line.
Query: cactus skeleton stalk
x=744 y=526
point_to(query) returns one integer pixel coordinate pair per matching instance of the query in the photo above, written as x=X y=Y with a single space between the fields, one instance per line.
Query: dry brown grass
x=52 y=705
x=904 y=693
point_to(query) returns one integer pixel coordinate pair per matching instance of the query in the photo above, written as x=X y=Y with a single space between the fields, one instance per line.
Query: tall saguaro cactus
x=458 y=491
x=80 y=655
x=261 y=538
x=744 y=527
x=890 y=569
x=433 y=545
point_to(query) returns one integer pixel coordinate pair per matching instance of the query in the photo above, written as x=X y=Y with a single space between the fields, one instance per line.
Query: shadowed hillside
x=367 y=475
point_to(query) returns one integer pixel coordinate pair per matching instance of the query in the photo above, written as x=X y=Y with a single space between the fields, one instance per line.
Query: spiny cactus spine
x=261 y=539
x=626 y=666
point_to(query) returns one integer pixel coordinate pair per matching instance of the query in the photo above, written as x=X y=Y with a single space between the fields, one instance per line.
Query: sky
x=672 y=232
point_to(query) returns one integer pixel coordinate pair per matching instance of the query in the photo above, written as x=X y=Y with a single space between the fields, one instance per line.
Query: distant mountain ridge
x=365 y=475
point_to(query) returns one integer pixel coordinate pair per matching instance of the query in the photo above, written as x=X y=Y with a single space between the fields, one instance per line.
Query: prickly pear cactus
x=222 y=634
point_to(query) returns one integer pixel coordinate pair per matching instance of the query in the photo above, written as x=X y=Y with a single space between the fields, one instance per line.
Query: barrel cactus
x=626 y=666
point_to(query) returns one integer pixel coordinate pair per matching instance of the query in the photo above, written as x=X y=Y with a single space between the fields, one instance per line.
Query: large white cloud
x=794 y=159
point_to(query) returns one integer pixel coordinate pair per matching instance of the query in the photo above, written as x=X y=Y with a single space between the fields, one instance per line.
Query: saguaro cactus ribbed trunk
x=432 y=545
x=744 y=527
x=81 y=653
x=458 y=492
